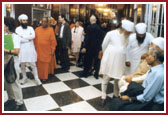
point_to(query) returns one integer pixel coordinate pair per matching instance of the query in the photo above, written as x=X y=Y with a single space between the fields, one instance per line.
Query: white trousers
x=34 y=69
x=14 y=90
x=104 y=85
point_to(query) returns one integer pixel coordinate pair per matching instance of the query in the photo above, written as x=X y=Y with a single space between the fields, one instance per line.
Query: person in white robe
x=27 y=55
x=77 y=33
x=113 y=60
x=138 y=45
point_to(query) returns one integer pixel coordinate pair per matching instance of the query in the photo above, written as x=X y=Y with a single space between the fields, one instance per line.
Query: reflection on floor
x=65 y=91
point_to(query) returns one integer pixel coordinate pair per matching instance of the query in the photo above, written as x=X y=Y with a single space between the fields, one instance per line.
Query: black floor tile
x=97 y=104
x=109 y=88
x=78 y=73
x=59 y=70
x=33 y=91
x=51 y=79
x=65 y=98
x=77 y=83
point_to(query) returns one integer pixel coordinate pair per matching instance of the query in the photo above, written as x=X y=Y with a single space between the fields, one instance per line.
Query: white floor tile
x=41 y=103
x=74 y=68
x=92 y=81
x=80 y=106
x=56 y=87
x=88 y=92
x=66 y=76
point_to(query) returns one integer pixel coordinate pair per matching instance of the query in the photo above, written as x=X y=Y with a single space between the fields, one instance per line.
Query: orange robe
x=45 y=44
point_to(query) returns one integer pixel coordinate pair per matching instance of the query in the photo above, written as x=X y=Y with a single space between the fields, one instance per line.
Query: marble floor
x=65 y=91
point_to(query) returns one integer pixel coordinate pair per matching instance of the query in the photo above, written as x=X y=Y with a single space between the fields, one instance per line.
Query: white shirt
x=134 y=51
x=27 y=50
x=77 y=33
x=113 y=60
x=61 y=31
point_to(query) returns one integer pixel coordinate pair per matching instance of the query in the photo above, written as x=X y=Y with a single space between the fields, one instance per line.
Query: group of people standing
x=107 y=54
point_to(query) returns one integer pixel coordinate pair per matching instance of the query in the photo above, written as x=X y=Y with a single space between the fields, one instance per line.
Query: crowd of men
x=125 y=55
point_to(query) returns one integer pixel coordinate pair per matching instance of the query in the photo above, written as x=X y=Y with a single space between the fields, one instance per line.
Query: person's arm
x=106 y=41
x=22 y=40
x=152 y=89
x=31 y=35
x=127 y=53
x=14 y=51
x=53 y=42
x=68 y=36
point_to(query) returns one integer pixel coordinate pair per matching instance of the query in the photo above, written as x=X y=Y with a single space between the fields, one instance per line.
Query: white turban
x=23 y=17
x=159 y=42
x=141 y=28
x=127 y=25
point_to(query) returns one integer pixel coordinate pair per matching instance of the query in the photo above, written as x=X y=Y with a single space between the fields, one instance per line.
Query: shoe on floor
x=102 y=102
x=19 y=108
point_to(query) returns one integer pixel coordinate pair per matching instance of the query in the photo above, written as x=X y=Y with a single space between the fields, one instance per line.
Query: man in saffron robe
x=45 y=44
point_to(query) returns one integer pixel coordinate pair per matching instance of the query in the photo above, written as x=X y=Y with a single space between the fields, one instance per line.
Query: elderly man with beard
x=27 y=55
x=138 y=45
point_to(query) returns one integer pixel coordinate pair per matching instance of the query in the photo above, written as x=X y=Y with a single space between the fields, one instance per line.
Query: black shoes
x=19 y=108
x=102 y=102
x=96 y=75
x=86 y=74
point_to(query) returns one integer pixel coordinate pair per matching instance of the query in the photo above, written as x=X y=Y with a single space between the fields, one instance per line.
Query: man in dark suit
x=64 y=42
x=93 y=40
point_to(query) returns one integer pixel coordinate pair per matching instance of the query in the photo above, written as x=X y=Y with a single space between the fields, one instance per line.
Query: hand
x=30 y=33
x=128 y=64
x=128 y=79
x=124 y=97
x=83 y=50
x=6 y=51
x=144 y=56
x=100 y=54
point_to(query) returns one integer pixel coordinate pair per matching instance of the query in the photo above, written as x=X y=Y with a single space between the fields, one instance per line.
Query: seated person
x=140 y=74
x=152 y=97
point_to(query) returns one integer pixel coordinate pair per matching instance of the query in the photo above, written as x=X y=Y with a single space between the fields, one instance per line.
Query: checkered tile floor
x=65 y=91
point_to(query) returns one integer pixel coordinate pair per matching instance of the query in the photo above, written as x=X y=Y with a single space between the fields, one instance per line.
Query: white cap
x=23 y=17
x=127 y=25
x=141 y=28
x=159 y=42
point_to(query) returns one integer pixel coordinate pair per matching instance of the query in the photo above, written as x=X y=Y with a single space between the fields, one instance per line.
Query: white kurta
x=76 y=38
x=27 y=50
x=113 y=60
x=135 y=51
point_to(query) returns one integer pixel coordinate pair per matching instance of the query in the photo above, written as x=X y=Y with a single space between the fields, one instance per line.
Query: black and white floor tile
x=65 y=91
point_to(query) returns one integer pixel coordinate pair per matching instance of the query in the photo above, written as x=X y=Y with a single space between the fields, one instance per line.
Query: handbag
x=10 y=72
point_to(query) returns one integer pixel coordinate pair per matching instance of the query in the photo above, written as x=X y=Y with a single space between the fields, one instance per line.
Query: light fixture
x=154 y=7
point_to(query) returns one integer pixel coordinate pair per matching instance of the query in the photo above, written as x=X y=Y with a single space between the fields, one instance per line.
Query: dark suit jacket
x=94 y=38
x=66 y=40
